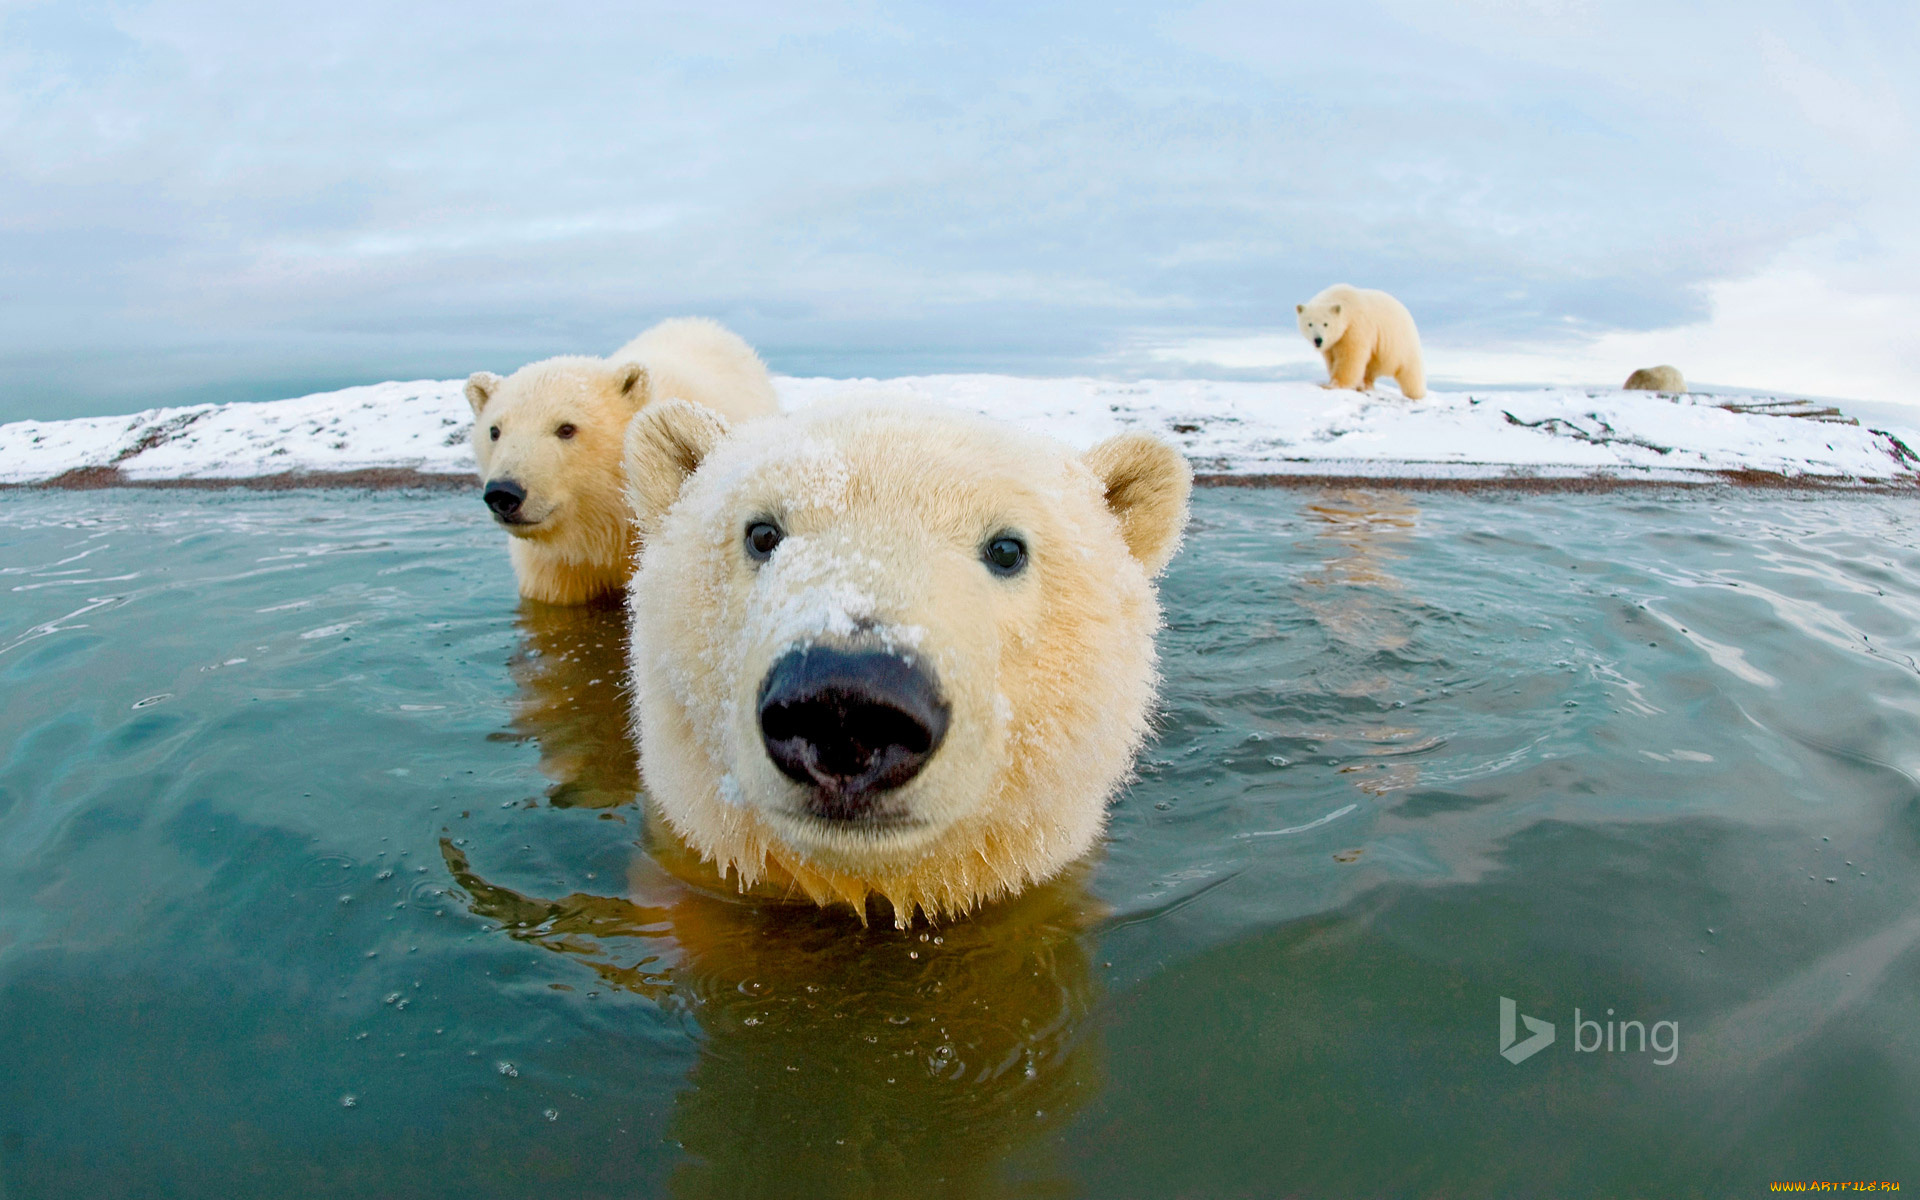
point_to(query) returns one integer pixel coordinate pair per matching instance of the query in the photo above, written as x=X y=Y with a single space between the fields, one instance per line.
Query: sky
x=217 y=200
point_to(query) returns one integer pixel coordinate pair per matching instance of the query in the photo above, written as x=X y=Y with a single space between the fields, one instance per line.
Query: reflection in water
x=1361 y=532
x=570 y=672
x=837 y=1059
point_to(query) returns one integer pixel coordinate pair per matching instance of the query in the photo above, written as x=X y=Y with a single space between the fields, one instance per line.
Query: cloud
x=201 y=199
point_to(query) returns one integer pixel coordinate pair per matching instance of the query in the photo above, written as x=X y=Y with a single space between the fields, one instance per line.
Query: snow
x=1224 y=428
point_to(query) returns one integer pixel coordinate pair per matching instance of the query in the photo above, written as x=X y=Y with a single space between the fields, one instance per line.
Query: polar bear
x=1657 y=379
x=883 y=650
x=549 y=438
x=1364 y=334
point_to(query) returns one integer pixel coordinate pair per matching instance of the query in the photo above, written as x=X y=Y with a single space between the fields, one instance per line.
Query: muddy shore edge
x=406 y=479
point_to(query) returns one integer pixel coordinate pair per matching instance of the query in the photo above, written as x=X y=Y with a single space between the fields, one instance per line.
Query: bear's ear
x=1299 y=308
x=635 y=384
x=1336 y=310
x=666 y=443
x=480 y=388
x=1147 y=485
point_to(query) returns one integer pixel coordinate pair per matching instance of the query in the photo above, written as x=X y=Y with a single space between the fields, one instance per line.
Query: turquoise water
x=318 y=877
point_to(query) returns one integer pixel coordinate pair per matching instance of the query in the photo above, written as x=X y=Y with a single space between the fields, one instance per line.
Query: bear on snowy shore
x=1364 y=334
x=1657 y=379
x=887 y=651
x=549 y=439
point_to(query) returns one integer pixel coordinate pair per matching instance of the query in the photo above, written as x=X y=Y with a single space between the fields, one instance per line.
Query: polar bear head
x=882 y=649
x=548 y=440
x=1323 y=321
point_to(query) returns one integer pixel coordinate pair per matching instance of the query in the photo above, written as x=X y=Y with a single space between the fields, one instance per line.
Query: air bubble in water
x=507 y=1069
x=552 y=1114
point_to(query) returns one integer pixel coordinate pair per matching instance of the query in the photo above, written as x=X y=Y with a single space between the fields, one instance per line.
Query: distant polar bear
x=1657 y=379
x=883 y=649
x=549 y=438
x=1364 y=334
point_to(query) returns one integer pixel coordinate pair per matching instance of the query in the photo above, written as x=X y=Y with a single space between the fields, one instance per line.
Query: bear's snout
x=851 y=725
x=504 y=497
x=1316 y=342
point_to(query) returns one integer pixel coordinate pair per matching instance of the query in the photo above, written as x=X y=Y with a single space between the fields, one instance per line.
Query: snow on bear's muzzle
x=851 y=725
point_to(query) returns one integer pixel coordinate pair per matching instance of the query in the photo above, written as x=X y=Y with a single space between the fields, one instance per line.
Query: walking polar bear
x=1364 y=334
x=549 y=438
x=882 y=650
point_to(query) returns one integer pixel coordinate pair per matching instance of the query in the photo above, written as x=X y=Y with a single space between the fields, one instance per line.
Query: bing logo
x=1542 y=1032
x=1589 y=1036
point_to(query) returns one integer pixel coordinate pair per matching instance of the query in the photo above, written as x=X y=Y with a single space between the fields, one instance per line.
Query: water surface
x=323 y=872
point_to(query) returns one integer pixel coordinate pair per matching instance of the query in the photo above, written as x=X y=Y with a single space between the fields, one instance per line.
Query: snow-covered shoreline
x=415 y=432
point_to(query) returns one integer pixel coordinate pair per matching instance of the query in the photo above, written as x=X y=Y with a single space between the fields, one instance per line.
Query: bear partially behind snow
x=1364 y=334
x=885 y=650
x=548 y=440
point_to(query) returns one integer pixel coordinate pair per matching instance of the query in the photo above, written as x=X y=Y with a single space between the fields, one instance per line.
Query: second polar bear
x=548 y=441
x=883 y=649
x=1364 y=334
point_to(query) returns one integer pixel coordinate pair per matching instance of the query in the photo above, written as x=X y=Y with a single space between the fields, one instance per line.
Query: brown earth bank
x=402 y=479
x=378 y=479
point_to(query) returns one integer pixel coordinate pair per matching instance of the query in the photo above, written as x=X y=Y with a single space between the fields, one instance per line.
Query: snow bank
x=1283 y=429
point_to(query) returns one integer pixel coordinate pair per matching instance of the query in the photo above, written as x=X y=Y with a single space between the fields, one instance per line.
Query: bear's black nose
x=851 y=724
x=1316 y=341
x=504 y=497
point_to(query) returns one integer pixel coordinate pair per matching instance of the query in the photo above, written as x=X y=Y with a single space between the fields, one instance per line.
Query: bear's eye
x=493 y=434
x=565 y=432
x=762 y=537
x=1005 y=555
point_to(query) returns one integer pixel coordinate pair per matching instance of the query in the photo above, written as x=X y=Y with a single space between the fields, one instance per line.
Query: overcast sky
x=237 y=200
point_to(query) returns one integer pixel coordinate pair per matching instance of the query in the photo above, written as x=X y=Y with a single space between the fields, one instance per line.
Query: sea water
x=324 y=871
